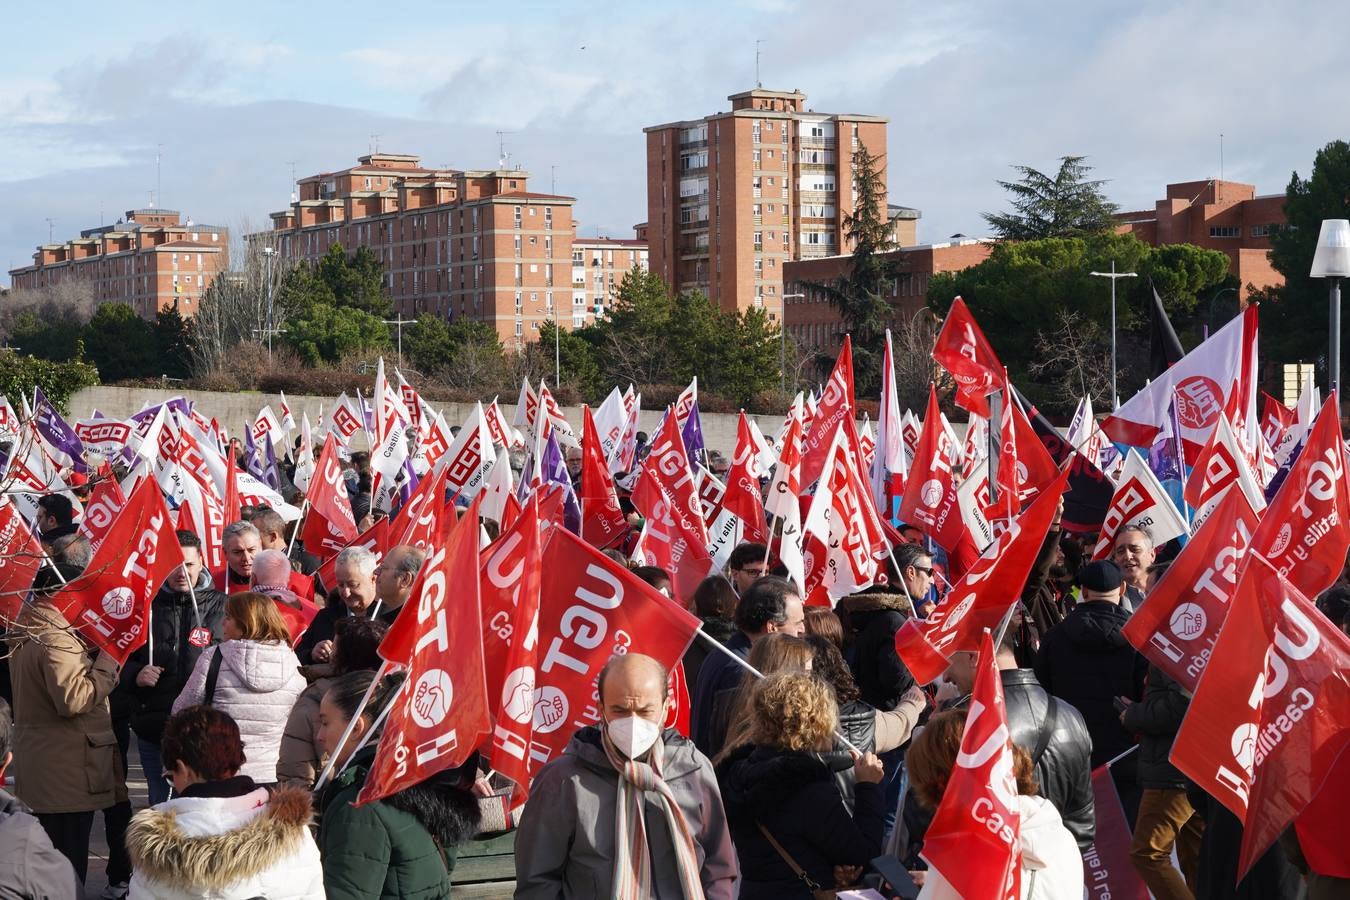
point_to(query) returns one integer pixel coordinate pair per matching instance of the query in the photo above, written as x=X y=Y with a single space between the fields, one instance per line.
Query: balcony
x=693 y=145
x=828 y=143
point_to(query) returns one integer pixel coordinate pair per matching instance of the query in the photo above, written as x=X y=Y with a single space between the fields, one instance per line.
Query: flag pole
x=351 y=725
x=304 y=505
x=1119 y=756
x=744 y=664
x=768 y=543
x=374 y=729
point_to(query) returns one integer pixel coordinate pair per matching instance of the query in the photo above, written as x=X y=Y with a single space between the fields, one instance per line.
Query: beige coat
x=300 y=761
x=65 y=751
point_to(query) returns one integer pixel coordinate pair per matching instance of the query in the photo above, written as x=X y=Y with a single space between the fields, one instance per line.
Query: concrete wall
x=234 y=411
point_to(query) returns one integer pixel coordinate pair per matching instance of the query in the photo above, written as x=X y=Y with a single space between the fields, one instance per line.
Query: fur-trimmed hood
x=874 y=599
x=196 y=844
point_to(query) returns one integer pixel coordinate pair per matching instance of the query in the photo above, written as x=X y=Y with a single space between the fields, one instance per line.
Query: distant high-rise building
x=456 y=243
x=151 y=260
x=734 y=196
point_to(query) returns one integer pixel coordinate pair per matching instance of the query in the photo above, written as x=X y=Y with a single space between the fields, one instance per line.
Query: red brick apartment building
x=1216 y=215
x=598 y=267
x=815 y=325
x=453 y=242
x=151 y=260
x=733 y=197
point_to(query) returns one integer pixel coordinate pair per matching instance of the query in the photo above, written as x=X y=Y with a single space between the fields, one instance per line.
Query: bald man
x=565 y=846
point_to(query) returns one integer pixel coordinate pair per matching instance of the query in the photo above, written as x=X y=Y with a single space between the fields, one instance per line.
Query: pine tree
x=1067 y=204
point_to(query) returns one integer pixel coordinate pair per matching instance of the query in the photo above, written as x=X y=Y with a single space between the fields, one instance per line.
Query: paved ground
x=97 y=878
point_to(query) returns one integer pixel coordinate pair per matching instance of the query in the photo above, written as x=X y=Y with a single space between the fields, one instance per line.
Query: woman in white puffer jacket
x=221 y=837
x=257 y=680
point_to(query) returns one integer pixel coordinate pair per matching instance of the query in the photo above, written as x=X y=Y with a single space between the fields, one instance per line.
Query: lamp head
x=1332 y=259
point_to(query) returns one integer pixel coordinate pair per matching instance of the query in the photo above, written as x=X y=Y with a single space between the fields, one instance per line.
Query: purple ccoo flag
x=56 y=432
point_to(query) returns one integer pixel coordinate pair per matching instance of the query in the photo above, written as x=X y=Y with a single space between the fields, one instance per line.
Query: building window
x=517 y=245
x=517 y=217
x=548 y=217
x=1260 y=231
x=1225 y=231
x=520 y=329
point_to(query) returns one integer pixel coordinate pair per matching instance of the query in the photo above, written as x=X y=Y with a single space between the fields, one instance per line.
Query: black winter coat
x=875 y=618
x=172 y=623
x=1064 y=768
x=718 y=674
x=793 y=796
x=1157 y=719
x=1086 y=661
x=858 y=723
x=320 y=630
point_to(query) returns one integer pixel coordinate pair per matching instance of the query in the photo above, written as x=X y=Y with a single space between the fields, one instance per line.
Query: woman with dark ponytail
x=403 y=846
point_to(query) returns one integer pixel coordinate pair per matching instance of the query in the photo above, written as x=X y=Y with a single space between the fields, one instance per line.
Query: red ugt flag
x=590 y=609
x=675 y=536
x=510 y=579
x=982 y=596
x=602 y=522
x=930 y=500
x=1304 y=533
x=20 y=559
x=1181 y=618
x=110 y=603
x=973 y=840
x=835 y=404
x=963 y=350
x=441 y=714
x=742 y=498
x=1272 y=714
x=328 y=492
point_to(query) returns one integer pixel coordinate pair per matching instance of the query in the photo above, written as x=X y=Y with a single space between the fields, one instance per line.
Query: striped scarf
x=632 y=861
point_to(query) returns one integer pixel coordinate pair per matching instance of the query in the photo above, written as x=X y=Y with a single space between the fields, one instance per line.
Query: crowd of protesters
x=812 y=752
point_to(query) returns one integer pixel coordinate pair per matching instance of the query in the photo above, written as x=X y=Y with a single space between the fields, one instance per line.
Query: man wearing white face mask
x=628 y=811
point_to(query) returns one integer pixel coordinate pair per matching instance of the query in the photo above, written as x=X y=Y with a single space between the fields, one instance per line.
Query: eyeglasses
x=927 y=571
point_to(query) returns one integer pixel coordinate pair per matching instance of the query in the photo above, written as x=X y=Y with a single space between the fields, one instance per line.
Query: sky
x=234 y=98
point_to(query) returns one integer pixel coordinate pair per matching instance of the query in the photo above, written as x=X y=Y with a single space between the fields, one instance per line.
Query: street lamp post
x=1332 y=260
x=782 y=338
x=268 y=253
x=1113 y=275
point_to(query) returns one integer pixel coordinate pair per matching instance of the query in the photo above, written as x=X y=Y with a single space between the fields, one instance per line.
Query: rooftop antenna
x=502 y=155
x=1220 y=163
x=374 y=146
x=49 y=231
x=758 y=83
x=553 y=180
x=295 y=194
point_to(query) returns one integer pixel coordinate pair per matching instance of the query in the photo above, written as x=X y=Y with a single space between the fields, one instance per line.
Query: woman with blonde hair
x=254 y=676
x=770 y=655
x=1052 y=868
x=789 y=824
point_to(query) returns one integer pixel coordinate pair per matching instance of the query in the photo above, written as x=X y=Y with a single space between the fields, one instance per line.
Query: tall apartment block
x=151 y=260
x=734 y=196
x=453 y=242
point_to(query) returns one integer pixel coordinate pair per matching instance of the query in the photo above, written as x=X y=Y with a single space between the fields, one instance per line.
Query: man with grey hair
x=394 y=578
x=1133 y=552
x=352 y=594
x=242 y=542
x=73 y=550
x=271 y=572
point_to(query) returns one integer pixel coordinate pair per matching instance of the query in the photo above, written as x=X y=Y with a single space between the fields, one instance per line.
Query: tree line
x=1047 y=316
